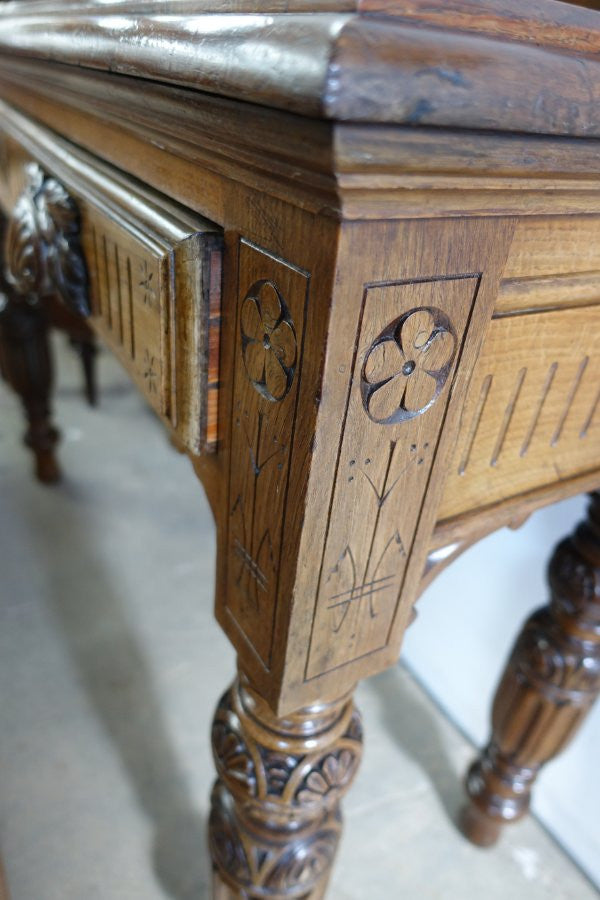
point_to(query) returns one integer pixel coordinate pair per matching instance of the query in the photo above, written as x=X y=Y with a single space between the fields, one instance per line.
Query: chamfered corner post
x=551 y=680
x=347 y=369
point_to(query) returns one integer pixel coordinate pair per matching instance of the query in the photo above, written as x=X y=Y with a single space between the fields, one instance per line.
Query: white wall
x=467 y=622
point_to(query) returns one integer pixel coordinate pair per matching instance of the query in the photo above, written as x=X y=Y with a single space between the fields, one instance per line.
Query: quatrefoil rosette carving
x=407 y=366
x=269 y=345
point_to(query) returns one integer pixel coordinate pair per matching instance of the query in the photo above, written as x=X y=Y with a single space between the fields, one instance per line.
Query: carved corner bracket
x=42 y=251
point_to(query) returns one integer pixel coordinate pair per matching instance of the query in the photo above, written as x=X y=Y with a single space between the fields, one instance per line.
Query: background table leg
x=551 y=681
x=27 y=365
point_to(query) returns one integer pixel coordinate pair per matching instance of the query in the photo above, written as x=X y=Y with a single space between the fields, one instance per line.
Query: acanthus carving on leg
x=43 y=264
x=275 y=821
x=551 y=681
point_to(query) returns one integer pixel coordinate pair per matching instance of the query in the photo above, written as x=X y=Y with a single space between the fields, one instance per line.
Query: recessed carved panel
x=408 y=331
x=269 y=332
x=154 y=294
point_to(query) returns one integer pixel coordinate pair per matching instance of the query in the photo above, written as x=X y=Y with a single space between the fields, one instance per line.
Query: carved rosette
x=551 y=680
x=275 y=820
x=42 y=253
x=407 y=366
x=269 y=345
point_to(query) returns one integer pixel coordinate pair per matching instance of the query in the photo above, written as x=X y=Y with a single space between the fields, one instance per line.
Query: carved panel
x=131 y=302
x=532 y=414
x=154 y=269
x=269 y=333
x=407 y=352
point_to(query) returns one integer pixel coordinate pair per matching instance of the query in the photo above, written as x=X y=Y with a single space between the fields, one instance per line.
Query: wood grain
x=403 y=321
x=326 y=67
x=346 y=170
x=154 y=274
x=390 y=254
x=532 y=414
x=550 y=24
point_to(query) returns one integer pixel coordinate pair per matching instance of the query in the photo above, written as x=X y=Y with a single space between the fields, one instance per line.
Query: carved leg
x=87 y=350
x=27 y=366
x=551 y=681
x=275 y=820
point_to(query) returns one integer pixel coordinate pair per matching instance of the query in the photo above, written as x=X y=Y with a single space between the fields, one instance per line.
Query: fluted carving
x=551 y=681
x=275 y=820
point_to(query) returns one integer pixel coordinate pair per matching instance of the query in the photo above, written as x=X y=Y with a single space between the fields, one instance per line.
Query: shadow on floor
x=407 y=720
x=114 y=673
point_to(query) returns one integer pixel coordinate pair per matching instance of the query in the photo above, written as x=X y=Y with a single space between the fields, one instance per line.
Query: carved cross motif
x=150 y=374
x=407 y=365
x=147 y=283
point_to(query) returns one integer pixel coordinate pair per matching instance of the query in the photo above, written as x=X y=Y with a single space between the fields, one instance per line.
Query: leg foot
x=478 y=828
x=275 y=820
x=27 y=366
x=550 y=683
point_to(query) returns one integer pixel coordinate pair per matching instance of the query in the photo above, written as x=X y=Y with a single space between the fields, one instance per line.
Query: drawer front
x=153 y=273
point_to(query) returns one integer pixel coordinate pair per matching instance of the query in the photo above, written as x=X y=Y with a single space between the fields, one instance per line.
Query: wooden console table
x=349 y=250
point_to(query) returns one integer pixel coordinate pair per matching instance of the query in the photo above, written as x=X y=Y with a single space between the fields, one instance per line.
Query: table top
x=465 y=63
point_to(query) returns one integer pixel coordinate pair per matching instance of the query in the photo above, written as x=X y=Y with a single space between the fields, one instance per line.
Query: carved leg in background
x=87 y=350
x=275 y=820
x=551 y=681
x=27 y=366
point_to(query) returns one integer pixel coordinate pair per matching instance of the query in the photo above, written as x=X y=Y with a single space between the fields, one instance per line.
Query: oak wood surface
x=163 y=134
x=154 y=275
x=447 y=76
x=409 y=205
x=532 y=414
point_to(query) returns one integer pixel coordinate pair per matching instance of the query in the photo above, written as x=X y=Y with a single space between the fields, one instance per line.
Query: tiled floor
x=110 y=667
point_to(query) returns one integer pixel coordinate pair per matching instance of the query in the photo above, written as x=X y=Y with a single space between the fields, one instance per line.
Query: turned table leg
x=334 y=463
x=550 y=683
x=27 y=366
x=275 y=820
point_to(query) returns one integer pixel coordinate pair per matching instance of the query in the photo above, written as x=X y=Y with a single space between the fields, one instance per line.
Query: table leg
x=551 y=681
x=27 y=366
x=275 y=821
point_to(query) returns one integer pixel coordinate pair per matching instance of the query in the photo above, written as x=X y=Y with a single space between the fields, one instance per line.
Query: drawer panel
x=532 y=415
x=153 y=271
